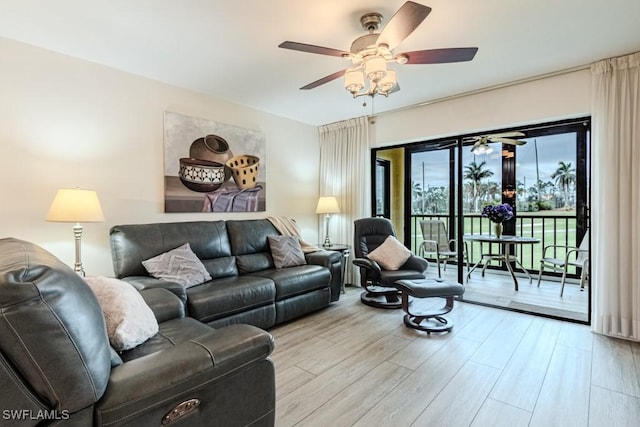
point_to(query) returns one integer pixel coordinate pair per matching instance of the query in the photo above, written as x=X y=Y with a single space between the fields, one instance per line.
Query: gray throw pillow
x=179 y=265
x=286 y=251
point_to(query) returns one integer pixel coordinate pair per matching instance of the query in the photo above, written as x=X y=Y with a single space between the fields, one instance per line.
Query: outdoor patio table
x=504 y=241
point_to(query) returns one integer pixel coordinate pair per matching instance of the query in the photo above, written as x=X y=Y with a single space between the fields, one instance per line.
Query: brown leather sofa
x=245 y=286
x=57 y=367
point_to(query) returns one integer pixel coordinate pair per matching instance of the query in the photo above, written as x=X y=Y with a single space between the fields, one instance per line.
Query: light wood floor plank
x=520 y=382
x=287 y=355
x=405 y=402
x=294 y=407
x=614 y=365
x=358 y=342
x=498 y=414
x=612 y=409
x=576 y=335
x=458 y=402
x=498 y=348
x=354 y=401
x=482 y=326
x=289 y=380
x=564 y=397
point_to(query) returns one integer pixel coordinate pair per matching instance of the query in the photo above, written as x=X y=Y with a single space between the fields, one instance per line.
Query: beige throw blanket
x=288 y=227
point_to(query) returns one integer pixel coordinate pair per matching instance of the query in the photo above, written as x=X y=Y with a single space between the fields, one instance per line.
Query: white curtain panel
x=615 y=245
x=345 y=172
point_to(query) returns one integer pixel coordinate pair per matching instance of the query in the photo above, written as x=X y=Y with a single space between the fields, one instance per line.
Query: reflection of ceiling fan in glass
x=481 y=143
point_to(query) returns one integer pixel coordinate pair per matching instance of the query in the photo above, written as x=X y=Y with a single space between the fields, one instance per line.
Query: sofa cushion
x=171 y=333
x=286 y=251
x=131 y=244
x=250 y=245
x=224 y=297
x=178 y=265
x=391 y=254
x=129 y=320
x=297 y=280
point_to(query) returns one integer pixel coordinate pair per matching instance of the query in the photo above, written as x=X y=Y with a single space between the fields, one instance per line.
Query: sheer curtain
x=345 y=174
x=615 y=245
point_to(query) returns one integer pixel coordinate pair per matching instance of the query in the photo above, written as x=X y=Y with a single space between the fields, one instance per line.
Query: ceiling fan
x=481 y=143
x=371 y=52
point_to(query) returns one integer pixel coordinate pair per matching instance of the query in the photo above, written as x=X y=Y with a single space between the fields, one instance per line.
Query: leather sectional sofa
x=57 y=366
x=245 y=286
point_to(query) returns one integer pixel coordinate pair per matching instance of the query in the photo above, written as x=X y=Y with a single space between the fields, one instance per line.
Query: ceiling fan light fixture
x=375 y=68
x=354 y=81
x=388 y=82
x=482 y=149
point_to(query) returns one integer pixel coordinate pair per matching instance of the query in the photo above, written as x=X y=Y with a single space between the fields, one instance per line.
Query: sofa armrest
x=147 y=282
x=323 y=257
x=416 y=263
x=164 y=304
x=147 y=384
x=333 y=261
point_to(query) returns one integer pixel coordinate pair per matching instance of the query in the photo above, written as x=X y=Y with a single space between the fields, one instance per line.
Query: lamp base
x=327 y=241
x=77 y=234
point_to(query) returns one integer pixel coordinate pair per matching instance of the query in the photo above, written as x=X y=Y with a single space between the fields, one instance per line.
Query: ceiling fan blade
x=310 y=48
x=440 y=56
x=403 y=23
x=324 y=80
x=506 y=135
x=508 y=141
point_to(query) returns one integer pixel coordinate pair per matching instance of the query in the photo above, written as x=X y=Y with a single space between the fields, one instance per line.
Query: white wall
x=552 y=98
x=65 y=122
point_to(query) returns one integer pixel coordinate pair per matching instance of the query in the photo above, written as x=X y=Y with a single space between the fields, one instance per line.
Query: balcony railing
x=550 y=229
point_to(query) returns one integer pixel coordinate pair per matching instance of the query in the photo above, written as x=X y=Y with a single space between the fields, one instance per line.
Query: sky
x=551 y=149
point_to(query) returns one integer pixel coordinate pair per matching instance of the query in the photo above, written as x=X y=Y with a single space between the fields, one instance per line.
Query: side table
x=346 y=252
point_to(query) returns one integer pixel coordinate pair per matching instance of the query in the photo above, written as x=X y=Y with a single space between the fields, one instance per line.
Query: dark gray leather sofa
x=57 y=367
x=245 y=285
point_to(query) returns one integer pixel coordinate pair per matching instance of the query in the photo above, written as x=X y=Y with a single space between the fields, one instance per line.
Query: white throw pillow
x=178 y=265
x=391 y=254
x=130 y=321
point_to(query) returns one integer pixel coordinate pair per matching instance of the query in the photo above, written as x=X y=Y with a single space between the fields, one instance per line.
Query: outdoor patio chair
x=436 y=241
x=570 y=256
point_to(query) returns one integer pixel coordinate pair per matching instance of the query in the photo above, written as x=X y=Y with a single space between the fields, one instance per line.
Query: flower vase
x=497 y=229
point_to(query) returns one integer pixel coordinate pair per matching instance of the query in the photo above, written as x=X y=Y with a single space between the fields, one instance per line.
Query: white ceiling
x=228 y=48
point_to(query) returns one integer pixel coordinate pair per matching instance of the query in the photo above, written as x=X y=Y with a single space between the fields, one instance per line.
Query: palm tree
x=475 y=172
x=564 y=176
x=418 y=194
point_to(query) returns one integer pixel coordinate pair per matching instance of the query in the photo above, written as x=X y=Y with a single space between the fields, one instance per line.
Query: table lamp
x=327 y=206
x=76 y=205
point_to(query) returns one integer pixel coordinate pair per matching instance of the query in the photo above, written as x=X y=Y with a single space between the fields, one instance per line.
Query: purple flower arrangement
x=498 y=213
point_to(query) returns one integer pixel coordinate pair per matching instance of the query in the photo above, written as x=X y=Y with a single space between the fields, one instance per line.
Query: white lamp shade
x=327 y=205
x=375 y=68
x=75 y=205
x=354 y=80
x=388 y=82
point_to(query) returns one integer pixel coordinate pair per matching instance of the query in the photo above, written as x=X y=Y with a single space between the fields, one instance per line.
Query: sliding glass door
x=543 y=173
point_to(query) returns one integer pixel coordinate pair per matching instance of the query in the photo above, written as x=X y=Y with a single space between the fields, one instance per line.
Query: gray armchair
x=57 y=366
x=379 y=284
